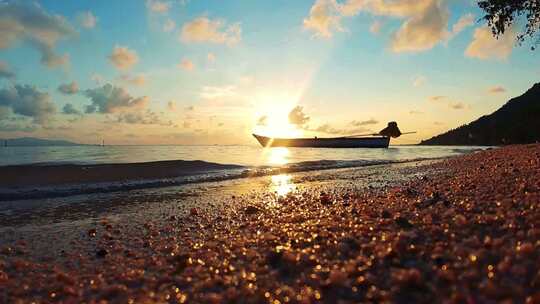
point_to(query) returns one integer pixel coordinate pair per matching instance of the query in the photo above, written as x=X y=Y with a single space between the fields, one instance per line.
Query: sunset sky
x=213 y=72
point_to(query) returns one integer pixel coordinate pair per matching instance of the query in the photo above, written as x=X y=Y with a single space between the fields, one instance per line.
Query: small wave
x=46 y=181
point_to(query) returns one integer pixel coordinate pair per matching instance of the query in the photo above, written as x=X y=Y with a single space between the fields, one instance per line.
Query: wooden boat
x=336 y=142
x=377 y=140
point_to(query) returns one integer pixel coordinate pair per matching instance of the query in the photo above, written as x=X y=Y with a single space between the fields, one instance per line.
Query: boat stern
x=263 y=140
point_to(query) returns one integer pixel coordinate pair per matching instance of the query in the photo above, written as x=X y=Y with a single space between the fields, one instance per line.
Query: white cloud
x=31 y=23
x=171 y=105
x=213 y=92
x=419 y=81
x=112 y=99
x=485 y=46
x=136 y=80
x=69 y=109
x=157 y=6
x=425 y=21
x=169 y=25
x=324 y=18
x=186 y=65
x=202 y=30
x=496 y=90
x=5 y=71
x=463 y=23
x=28 y=101
x=69 y=88
x=87 y=19
x=123 y=58
x=422 y=31
x=375 y=27
x=298 y=117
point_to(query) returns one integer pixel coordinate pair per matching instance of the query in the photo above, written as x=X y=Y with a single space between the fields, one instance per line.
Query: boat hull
x=343 y=142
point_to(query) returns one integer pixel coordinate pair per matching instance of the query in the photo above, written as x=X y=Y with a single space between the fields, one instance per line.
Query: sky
x=214 y=72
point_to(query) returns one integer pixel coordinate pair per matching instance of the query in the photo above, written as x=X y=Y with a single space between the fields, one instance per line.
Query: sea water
x=240 y=155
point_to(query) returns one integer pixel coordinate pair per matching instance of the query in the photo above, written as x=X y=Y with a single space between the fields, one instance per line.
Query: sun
x=272 y=117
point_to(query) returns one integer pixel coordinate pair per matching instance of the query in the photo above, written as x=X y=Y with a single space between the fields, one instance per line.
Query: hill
x=36 y=142
x=516 y=122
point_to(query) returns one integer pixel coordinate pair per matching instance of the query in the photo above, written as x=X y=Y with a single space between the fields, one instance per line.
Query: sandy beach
x=458 y=230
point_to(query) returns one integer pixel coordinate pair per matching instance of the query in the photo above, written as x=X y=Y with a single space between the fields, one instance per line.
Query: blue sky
x=205 y=72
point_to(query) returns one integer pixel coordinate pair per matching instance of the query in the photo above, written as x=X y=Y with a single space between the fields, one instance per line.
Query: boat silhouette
x=376 y=140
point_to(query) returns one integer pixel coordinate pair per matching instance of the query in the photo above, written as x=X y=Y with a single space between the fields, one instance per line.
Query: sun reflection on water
x=277 y=156
x=282 y=184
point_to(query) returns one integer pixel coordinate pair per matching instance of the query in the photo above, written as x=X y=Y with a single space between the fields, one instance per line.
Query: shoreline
x=459 y=229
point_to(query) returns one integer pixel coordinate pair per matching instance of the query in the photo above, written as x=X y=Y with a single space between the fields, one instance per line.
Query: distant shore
x=464 y=229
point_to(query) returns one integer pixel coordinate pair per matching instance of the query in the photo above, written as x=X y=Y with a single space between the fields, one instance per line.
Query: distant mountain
x=36 y=142
x=517 y=122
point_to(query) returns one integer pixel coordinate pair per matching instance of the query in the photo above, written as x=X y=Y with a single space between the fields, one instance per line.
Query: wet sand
x=461 y=230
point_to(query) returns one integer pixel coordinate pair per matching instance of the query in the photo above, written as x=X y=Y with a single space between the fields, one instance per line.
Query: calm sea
x=240 y=155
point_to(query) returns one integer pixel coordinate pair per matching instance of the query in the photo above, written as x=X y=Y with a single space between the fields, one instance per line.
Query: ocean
x=238 y=155
x=41 y=172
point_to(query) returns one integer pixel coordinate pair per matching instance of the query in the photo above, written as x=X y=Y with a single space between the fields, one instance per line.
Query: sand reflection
x=282 y=184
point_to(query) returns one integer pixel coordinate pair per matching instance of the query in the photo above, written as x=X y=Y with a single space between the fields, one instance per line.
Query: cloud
x=425 y=21
x=28 y=101
x=204 y=30
x=69 y=109
x=112 y=99
x=457 y=105
x=375 y=27
x=496 y=90
x=422 y=31
x=4 y=112
x=87 y=19
x=5 y=71
x=436 y=98
x=157 y=6
x=262 y=121
x=214 y=92
x=463 y=23
x=97 y=78
x=169 y=25
x=15 y=127
x=30 y=23
x=186 y=65
x=485 y=46
x=136 y=80
x=324 y=18
x=357 y=123
x=415 y=112
x=69 y=88
x=419 y=81
x=328 y=129
x=142 y=118
x=123 y=58
x=298 y=117
x=171 y=106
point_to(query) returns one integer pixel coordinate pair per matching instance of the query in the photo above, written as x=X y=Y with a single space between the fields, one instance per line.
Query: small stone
x=403 y=223
x=101 y=253
x=251 y=210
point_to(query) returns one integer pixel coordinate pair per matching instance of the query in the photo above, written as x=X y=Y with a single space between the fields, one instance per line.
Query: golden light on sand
x=282 y=184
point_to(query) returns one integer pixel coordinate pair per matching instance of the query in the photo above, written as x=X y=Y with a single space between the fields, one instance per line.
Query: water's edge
x=215 y=172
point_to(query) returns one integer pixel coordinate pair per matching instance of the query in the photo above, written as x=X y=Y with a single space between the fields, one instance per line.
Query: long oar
x=375 y=134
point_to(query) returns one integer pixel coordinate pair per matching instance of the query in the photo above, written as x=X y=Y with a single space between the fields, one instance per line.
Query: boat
x=336 y=142
x=378 y=140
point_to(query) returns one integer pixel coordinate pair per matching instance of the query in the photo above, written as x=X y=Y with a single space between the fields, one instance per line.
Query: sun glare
x=273 y=116
x=282 y=184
